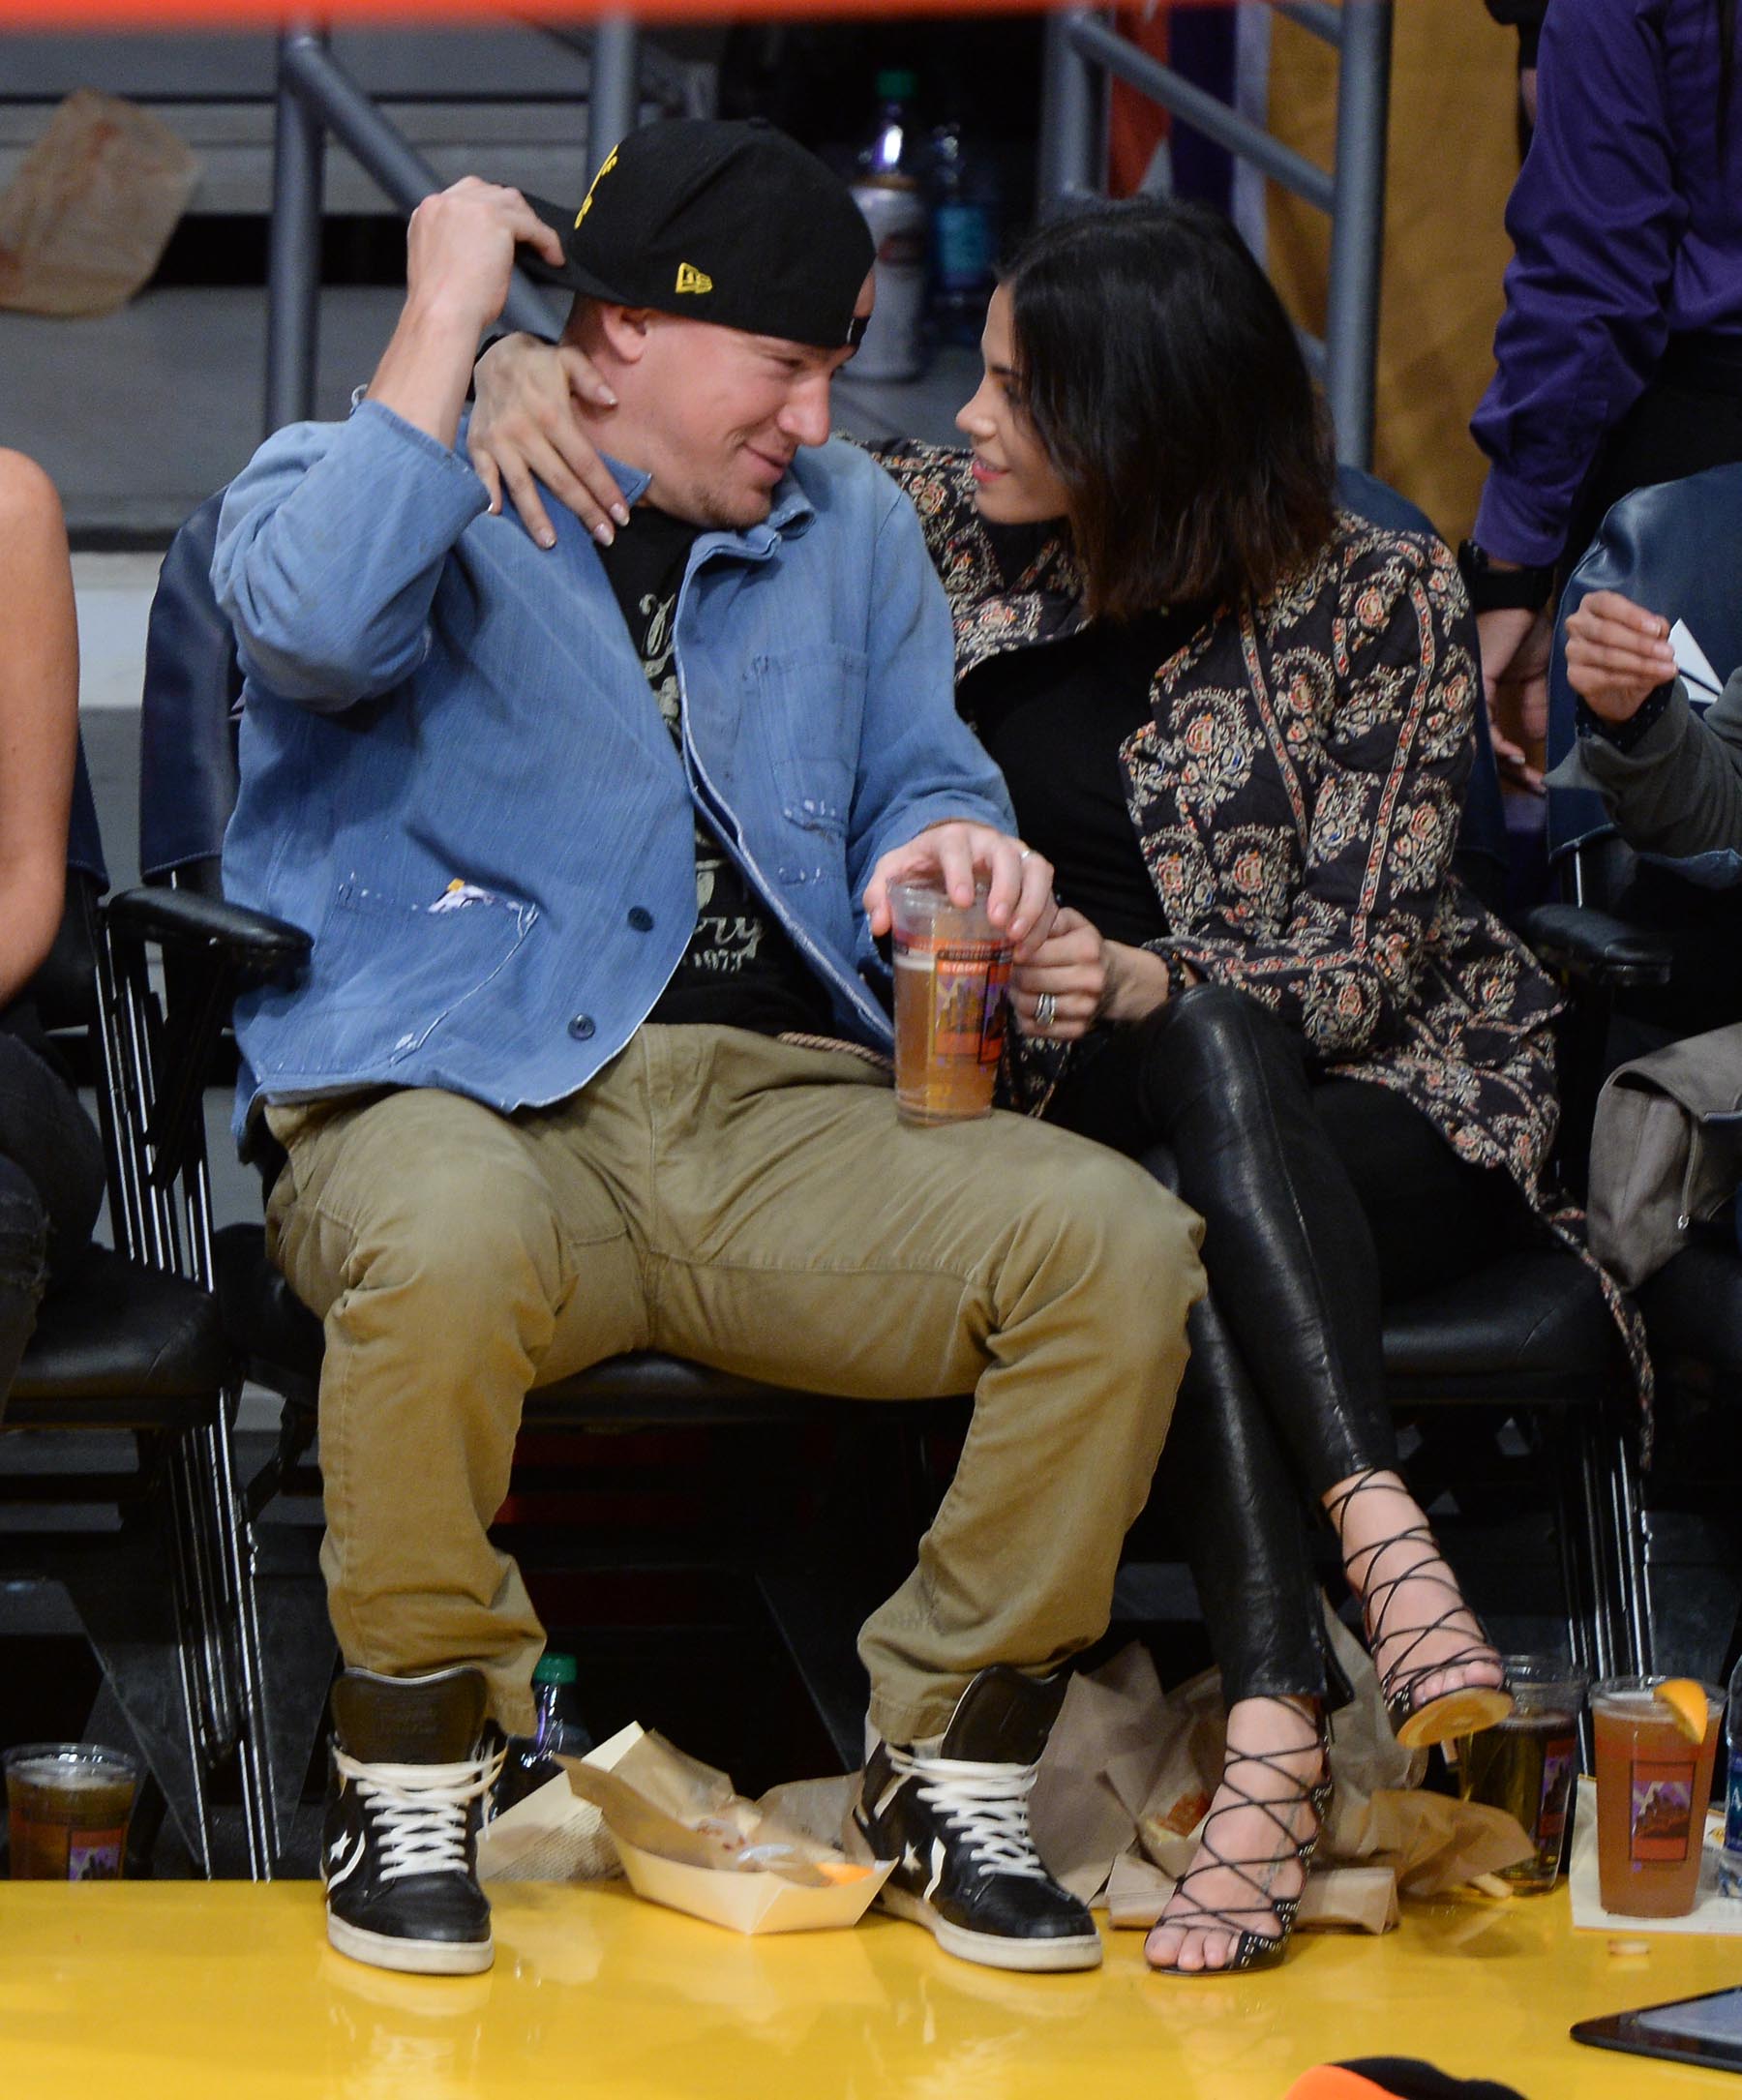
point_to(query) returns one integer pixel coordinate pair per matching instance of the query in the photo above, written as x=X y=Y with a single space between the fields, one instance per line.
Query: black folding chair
x=115 y=1470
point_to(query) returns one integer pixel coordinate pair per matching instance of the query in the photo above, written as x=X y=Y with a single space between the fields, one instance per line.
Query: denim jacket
x=455 y=775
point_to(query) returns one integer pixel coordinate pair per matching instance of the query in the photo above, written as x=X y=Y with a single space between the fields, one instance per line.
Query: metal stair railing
x=1085 y=51
x=316 y=97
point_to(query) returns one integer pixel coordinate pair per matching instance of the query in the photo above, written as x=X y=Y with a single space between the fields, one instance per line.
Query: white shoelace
x=420 y=1811
x=987 y=1803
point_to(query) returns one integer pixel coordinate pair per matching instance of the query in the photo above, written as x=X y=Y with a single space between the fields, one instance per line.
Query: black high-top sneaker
x=956 y=1824
x=399 y=1855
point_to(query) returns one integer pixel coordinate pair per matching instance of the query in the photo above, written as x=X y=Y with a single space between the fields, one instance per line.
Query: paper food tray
x=752 y=1903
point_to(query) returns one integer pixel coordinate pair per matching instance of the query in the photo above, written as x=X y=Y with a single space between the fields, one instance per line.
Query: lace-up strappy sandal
x=1253 y=1949
x=1461 y=1709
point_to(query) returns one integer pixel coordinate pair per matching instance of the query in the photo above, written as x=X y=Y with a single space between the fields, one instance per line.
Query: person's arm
x=1343 y=968
x=1670 y=779
x=331 y=540
x=38 y=718
x=458 y=260
x=524 y=429
x=1595 y=220
x=927 y=800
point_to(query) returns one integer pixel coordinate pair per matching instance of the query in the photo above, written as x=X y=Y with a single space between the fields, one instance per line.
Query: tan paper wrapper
x=90 y=211
x=676 y=1827
x=1129 y=1773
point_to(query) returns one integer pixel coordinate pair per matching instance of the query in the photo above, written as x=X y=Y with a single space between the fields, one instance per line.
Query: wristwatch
x=1503 y=591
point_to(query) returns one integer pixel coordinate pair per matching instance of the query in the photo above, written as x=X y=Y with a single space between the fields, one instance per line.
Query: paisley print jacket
x=1296 y=793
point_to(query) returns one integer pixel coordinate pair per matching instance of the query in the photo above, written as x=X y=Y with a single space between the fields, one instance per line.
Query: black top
x=741 y=969
x=1053 y=718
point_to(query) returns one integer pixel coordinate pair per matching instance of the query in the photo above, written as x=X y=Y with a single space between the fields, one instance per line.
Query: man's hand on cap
x=459 y=254
x=459 y=251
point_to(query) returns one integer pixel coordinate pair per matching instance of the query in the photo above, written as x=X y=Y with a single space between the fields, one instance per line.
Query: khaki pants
x=755 y=1206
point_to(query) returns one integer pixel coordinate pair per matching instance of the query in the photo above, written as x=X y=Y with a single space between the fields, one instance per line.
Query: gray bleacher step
x=140 y=414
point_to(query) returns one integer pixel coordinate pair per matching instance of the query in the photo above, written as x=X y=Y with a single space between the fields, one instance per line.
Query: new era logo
x=690 y=279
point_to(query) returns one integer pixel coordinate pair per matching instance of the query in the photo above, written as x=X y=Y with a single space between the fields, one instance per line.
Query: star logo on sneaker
x=343 y=1858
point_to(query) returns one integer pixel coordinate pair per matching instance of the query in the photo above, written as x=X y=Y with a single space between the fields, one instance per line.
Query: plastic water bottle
x=559 y=1731
x=963 y=237
x=1730 y=1864
x=888 y=193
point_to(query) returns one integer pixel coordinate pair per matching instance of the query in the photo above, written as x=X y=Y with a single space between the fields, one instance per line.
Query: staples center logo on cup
x=952 y=972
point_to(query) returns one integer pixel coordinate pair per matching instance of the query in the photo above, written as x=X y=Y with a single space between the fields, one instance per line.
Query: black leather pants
x=1283 y=1390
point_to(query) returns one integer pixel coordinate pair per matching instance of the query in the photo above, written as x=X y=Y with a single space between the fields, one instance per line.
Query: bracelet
x=1501 y=591
x=1623 y=735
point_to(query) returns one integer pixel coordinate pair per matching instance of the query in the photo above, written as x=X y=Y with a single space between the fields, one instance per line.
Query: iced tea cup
x=1653 y=1788
x=68 y=1806
x=952 y=970
x=1526 y=1763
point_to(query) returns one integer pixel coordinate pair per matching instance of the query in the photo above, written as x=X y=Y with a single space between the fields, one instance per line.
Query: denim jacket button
x=641 y=918
x=581 y=1027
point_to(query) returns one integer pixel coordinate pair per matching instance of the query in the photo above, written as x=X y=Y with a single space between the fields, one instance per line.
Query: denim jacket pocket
x=395 y=971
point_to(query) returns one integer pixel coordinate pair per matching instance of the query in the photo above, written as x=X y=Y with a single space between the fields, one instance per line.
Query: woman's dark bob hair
x=1164 y=379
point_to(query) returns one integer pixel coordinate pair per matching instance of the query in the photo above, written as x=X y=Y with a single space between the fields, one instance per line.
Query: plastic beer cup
x=68 y=1808
x=1526 y=1764
x=1653 y=1788
x=952 y=970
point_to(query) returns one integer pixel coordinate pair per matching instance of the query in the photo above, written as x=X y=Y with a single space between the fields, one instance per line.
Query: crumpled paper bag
x=90 y=211
x=1129 y=1773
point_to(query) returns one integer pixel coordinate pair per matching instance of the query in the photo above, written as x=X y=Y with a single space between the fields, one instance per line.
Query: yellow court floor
x=130 y=1991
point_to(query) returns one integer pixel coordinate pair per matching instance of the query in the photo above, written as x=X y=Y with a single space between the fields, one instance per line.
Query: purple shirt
x=1624 y=234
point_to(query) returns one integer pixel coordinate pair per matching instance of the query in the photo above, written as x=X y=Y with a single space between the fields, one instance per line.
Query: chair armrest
x=210 y=949
x=1595 y=947
x=182 y=918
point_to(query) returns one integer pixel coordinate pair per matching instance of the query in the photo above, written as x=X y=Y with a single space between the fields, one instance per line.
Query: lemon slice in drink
x=1685 y=1700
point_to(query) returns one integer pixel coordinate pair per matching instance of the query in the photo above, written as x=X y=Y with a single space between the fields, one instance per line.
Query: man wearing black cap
x=596 y=844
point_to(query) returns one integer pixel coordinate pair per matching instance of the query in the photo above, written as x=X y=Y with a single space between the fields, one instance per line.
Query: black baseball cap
x=725 y=222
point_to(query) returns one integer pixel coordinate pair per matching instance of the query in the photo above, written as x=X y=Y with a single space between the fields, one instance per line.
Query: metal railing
x=1084 y=52
x=316 y=98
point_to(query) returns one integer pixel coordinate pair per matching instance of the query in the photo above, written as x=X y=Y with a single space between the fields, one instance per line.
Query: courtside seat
x=1544 y=1338
x=1692 y=1309
x=156 y=1358
x=115 y=1474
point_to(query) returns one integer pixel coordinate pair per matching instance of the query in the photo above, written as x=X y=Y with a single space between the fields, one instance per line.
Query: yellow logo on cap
x=587 y=201
x=690 y=279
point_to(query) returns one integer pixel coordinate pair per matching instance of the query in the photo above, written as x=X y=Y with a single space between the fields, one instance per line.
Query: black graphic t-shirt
x=741 y=969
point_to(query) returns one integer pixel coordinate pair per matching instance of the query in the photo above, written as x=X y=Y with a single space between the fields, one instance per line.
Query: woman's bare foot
x=1249 y=1855
x=1426 y=1642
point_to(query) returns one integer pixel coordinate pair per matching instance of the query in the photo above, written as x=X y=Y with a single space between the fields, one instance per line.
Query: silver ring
x=1045 y=1007
x=1027 y=854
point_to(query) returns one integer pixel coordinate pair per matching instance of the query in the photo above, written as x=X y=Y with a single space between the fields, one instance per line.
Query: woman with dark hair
x=1239 y=722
